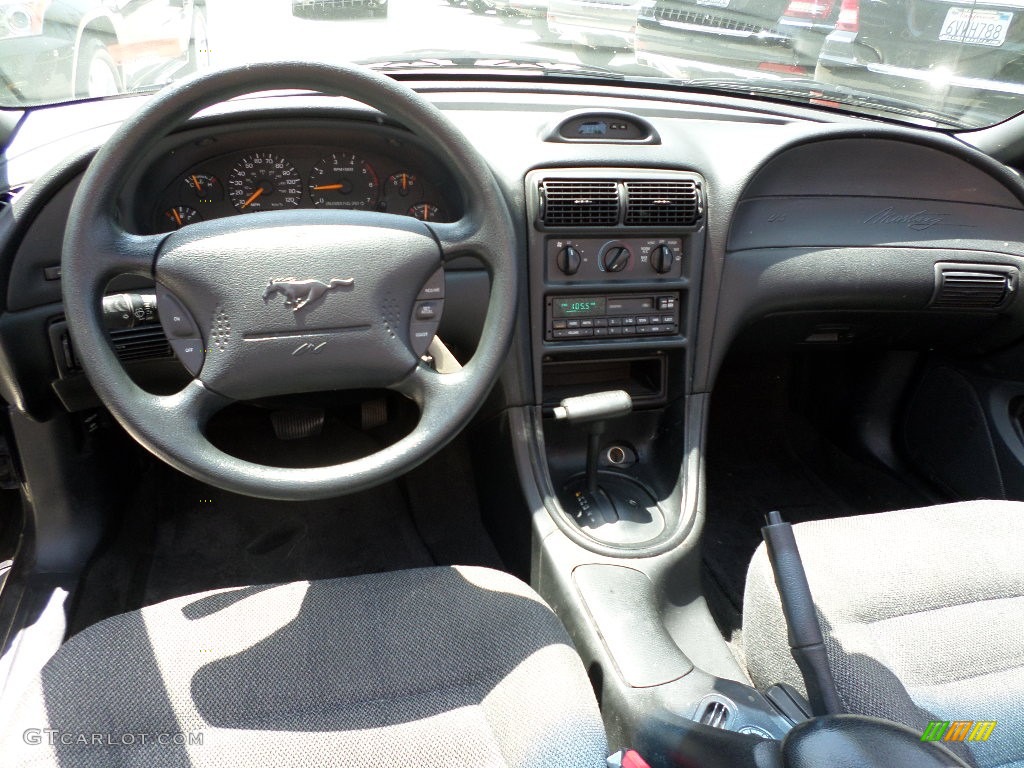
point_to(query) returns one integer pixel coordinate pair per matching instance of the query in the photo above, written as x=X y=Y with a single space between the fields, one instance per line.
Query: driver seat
x=433 y=668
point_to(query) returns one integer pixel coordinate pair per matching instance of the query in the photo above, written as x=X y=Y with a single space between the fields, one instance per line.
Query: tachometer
x=264 y=181
x=343 y=180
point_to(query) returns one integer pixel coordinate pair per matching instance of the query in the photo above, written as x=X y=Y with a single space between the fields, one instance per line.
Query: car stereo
x=611 y=316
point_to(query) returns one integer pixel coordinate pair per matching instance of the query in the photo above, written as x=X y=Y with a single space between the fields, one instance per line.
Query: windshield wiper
x=823 y=94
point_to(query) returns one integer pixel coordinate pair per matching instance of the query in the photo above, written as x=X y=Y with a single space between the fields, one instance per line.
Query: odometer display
x=263 y=181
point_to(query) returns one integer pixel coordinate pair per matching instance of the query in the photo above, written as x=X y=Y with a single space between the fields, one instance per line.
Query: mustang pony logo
x=298 y=293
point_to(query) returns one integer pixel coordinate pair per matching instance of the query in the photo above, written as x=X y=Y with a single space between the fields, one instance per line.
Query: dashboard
x=232 y=172
x=783 y=211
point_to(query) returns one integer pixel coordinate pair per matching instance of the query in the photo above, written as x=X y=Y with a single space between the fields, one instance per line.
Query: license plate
x=714 y=3
x=976 y=26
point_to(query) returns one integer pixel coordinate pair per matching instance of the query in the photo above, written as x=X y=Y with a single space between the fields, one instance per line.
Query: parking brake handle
x=806 y=642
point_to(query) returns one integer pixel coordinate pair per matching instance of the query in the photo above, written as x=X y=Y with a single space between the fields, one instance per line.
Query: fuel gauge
x=178 y=216
x=205 y=187
x=402 y=183
x=425 y=212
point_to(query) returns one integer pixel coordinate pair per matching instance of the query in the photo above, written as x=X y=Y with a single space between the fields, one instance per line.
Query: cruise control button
x=190 y=353
x=420 y=336
x=174 y=318
x=428 y=310
x=434 y=287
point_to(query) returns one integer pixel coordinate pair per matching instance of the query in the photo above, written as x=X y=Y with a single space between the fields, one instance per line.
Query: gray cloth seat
x=440 y=667
x=923 y=616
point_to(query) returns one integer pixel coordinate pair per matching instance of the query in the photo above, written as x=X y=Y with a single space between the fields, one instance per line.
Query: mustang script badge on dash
x=300 y=293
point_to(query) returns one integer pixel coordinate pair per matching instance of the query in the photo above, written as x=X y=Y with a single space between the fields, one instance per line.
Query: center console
x=614 y=253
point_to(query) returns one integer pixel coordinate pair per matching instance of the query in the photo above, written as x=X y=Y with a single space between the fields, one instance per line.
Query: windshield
x=944 y=63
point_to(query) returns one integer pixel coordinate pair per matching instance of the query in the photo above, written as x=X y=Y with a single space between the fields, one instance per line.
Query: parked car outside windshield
x=946 y=63
x=60 y=50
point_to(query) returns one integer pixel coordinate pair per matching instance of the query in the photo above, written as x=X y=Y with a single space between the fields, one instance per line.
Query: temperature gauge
x=402 y=183
x=178 y=216
x=426 y=212
x=205 y=187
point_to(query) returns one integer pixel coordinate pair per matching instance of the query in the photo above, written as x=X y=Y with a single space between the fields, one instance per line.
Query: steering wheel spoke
x=193 y=406
x=124 y=253
x=426 y=387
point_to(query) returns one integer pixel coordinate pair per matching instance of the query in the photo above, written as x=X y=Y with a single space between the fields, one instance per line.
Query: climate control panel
x=600 y=259
x=616 y=316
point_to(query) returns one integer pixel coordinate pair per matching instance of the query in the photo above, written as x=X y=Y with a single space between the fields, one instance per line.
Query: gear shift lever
x=594 y=409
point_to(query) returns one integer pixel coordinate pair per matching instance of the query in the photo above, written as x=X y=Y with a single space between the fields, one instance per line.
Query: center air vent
x=579 y=203
x=662 y=203
x=970 y=287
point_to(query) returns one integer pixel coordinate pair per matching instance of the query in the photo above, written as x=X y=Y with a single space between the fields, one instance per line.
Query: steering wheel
x=284 y=302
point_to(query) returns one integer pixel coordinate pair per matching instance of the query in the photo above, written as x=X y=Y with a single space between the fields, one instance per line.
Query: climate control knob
x=568 y=260
x=615 y=259
x=662 y=259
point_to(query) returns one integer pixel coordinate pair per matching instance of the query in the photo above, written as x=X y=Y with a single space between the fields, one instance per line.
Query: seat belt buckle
x=627 y=758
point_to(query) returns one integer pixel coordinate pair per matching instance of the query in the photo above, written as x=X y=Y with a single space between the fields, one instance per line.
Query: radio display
x=579 y=306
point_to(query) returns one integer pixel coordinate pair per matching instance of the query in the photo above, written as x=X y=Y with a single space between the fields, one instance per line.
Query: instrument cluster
x=288 y=176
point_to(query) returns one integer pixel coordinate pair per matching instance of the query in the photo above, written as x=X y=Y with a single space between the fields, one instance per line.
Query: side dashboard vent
x=579 y=203
x=140 y=343
x=663 y=203
x=968 y=287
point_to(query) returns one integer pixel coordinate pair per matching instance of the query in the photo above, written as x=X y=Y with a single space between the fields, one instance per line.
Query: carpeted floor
x=182 y=536
x=763 y=454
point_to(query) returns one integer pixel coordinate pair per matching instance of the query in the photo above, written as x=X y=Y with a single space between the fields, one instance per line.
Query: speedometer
x=263 y=181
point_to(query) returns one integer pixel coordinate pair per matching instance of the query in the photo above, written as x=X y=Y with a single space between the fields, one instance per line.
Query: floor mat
x=181 y=536
x=764 y=456
x=211 y=538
